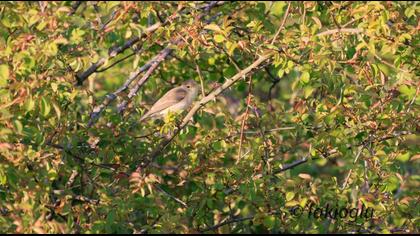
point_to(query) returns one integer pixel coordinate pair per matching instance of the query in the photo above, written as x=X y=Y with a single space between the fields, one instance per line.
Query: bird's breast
x=180 y=106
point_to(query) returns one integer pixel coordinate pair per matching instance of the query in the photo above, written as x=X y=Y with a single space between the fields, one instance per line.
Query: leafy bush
x=321 y=107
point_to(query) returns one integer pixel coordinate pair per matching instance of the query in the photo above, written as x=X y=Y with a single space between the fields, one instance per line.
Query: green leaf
x=3 y=177
x=290 y=196
x=218 y=38
x=278 y=8
x=308 y=91
x=52 y=174
x=392 y=183
x=305 y=77
x=269 y=221
x=217 y=146
x=54 y=86
x=110 y=217
x=45 y=107
x=280 y=73
x=403 y=157
x=76 y=36
x=18 y=126
x=384 y=68
x=29 y=104
x=41 y=25
x=231 y=47
x=407 y=91
x=4 y=75
x=409 y=12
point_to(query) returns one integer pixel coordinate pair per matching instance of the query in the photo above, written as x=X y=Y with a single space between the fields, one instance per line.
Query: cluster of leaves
x=339 y=95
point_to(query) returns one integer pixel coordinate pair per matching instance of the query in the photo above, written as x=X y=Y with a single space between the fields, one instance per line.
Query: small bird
x=176 y=99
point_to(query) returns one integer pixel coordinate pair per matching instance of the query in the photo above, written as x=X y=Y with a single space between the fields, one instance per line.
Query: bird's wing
x=172 y=97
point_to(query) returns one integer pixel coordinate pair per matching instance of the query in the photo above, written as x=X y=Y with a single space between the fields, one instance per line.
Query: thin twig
x=291 y=165
x=72 y=178
x=104 y=25
x=76 y=197
x=245 y=118
x=82 y=76
x=389 y=64
x=342 y=30
x=414 y=98
x=111 y=97
x=351 y=170
x=171 y=196
x=144 y=231
x=275 y=80
x=362 y=144
x=158 y=59
x=262 y=134
x=282 y=24
x=270 y=130
x=200 y=75
x=74 y=7
x=116 y=62
x=82 y=160
x=234 y=220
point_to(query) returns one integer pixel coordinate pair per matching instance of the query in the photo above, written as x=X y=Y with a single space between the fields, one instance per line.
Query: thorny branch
x=82 y=160
x=150 y=67
x=114 y=51
x=166 y=141
x=82 y=76
x=155 y=63
x=244 y=119
x=282 y=24
x=171 y=196
x=341 y=30
x=111 y=97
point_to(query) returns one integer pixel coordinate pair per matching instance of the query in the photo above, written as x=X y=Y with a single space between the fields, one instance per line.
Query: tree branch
x=111 y=97
x=282 y=24
x=74 y=7
x=82 y=76
x=342 y=30
x=164 y=143
x=82 y=160
x=150 y=67
x=155 y=63
x=346 y=180
x=244 y=119
x=171 y=196
x=291 y=165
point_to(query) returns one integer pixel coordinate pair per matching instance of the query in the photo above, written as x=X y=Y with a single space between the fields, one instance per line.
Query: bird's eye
x=188 y=86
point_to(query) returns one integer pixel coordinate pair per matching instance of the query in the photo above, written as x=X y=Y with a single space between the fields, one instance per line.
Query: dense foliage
x=328 y=113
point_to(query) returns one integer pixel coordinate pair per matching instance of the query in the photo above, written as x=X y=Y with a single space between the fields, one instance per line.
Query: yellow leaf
x=290 y=196
x=219 y=38
x=4 y=75
x=305 y=176
x=213 y=27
